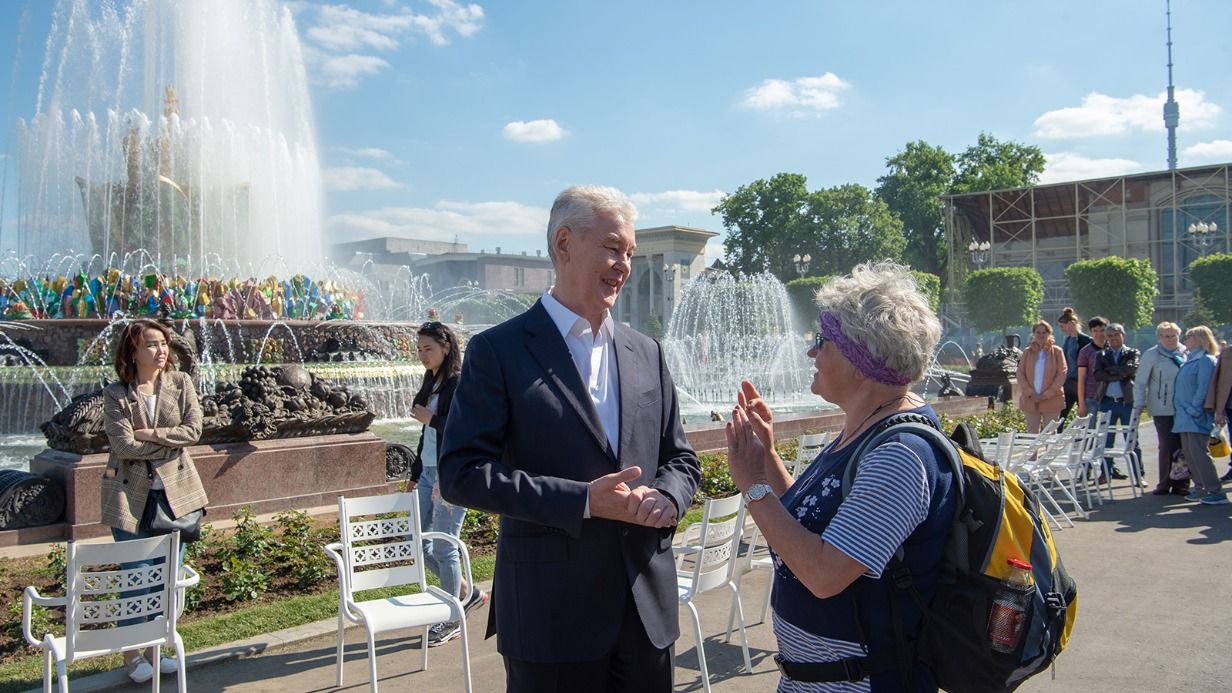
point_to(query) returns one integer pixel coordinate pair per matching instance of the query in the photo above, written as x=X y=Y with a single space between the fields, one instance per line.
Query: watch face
x=758 y=491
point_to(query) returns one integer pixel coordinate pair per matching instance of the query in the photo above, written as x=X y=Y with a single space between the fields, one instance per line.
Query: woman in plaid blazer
x=151 y=417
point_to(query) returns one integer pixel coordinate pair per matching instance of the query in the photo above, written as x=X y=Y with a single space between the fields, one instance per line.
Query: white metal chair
x=1126 y=451
x=382 y=546
x=1093 y=457
x=1070 y=462
x=747 y=562
x=706 y=560
x=811 y=445
x=97 y=600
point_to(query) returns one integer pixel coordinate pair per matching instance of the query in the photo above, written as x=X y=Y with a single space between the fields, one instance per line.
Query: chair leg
x=181 y=673
x=371 y=658
x=423 y=664
x=744 y=636
x=466 y=658
x=338 y=657
x=47 y=673
x=156 y=662
x=701 y=650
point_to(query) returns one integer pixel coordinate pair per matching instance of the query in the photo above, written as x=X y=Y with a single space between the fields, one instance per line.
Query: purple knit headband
x=858 y=354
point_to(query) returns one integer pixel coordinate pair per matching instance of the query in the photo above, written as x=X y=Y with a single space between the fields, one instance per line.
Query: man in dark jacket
x=1115 y=369
x=1074 y=341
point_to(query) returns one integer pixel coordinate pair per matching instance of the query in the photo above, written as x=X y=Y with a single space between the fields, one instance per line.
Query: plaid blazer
x=126 y=482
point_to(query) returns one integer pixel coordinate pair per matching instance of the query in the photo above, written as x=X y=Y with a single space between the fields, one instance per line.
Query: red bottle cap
x=1018 y=564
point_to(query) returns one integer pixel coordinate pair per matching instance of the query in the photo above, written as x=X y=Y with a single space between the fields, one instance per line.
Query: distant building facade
x=666 y=258
x=1049 y=227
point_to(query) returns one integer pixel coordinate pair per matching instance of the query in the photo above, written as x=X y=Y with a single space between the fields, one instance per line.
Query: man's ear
x=561 y=242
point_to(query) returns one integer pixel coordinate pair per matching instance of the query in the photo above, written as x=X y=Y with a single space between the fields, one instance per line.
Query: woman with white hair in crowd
x=1154 y=392
x=832 y=591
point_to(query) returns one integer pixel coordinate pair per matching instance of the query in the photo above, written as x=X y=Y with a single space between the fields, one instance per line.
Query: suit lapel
x=629 y=367
x=136 y=407
x=548 y=348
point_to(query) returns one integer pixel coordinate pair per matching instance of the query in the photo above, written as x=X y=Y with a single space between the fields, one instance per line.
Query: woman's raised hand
x=758 y=413
x=745 y=452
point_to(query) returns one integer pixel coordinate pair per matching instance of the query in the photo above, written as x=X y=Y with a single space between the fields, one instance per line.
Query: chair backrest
x=811 y=445
x=1097 y=443
x=381 y=545
x=1005 y=449
x=1082 y=436
x=100 y=595
x=717 y=543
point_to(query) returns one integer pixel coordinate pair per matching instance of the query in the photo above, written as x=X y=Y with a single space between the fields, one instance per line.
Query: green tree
x=759 y=218
x=930 y=286
x=802 y=293
x=918 y=177
x=1120 y=289
x=769 y=222
x=1212 y=278
x=990 y=164
x=1004 y=297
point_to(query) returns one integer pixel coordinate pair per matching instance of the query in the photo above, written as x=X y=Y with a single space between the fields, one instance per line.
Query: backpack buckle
x=902 y=580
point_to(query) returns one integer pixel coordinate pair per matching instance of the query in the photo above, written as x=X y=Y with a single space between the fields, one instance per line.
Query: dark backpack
x=996 y=520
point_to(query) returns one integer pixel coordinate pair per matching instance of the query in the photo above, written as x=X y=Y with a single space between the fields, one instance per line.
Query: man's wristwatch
x=757 y=492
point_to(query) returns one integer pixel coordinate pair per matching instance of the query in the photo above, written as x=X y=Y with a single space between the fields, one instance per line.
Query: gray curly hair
x=880 y=306
x=576 y=208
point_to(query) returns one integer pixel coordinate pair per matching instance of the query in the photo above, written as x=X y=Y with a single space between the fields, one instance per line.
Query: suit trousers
x=633 y=665
x=1122 y=412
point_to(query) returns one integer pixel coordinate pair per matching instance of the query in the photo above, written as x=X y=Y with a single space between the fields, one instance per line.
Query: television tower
x=1172 y=111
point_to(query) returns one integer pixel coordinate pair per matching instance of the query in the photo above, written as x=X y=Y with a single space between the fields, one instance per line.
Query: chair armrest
x=191 y=577
x=464 y=555
x=29 y=598
x=680 y=552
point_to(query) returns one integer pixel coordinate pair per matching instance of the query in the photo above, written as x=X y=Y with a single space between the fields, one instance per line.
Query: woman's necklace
x=874 y=413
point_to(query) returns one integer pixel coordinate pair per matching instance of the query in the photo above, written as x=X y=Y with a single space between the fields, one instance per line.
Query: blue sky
x=439 y=119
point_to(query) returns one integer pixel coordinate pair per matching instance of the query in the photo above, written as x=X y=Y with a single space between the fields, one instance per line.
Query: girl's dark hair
x=1068 y=315
x=440 y=333
x=130 y=341
x=1097 y=321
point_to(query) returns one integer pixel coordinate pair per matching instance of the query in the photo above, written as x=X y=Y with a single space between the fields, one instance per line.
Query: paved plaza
x=1155 y=614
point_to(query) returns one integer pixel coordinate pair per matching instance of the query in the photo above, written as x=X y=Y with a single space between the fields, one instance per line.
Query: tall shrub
x=930 y=286
x=1120 y=289
x=803 y=294
x=1003 y=297
x=1212 y=278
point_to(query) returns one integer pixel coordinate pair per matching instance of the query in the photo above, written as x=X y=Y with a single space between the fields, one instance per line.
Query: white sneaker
x=168 y=665
x=142 y=670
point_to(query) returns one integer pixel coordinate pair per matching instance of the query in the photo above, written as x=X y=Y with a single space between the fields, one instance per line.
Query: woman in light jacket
x=1041 y=378
x=1153 y=391
x=151 y=416
x=1192 y=419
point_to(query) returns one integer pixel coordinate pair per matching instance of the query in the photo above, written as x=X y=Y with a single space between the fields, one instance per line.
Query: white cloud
x=678 y=201
x=1216 y=151
x=1101 y=114
x=1067 y=166
x=339 y=38
x=815 y=93
x=471 y=222
x=533 y=131
x=348 y=178
x=367 y=152
x=344 y=71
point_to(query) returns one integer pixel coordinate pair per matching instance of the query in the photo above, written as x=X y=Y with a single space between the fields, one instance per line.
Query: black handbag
x=158 y=519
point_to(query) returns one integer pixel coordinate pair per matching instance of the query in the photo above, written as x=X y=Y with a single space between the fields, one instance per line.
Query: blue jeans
x=1122 y=413
x=437 y=515
x=120 y=535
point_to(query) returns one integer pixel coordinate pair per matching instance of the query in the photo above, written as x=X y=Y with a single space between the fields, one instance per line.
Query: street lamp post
x=669 y=278
x=980 y=253
x=802 y=264
x=1203 y=234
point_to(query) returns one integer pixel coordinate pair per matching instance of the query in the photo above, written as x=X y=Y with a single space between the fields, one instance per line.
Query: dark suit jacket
x=523 y=440
x=1109 y=369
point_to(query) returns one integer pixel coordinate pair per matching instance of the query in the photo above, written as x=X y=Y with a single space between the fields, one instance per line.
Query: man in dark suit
x=565 y=423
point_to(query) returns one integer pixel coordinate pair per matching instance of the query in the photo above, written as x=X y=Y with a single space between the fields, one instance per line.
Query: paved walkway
x=1154 y=614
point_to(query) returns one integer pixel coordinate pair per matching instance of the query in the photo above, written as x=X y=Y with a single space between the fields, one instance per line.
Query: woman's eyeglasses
x=819 y=340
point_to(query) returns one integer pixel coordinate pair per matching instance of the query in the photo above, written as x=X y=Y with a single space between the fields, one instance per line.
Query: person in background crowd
x=1041 y=378
x=1219 y=395
x=1153 y=391
x=1088 y=386
x=441 y=355
x=1075 y=340
x=1193 y=421
x=1115 y=369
